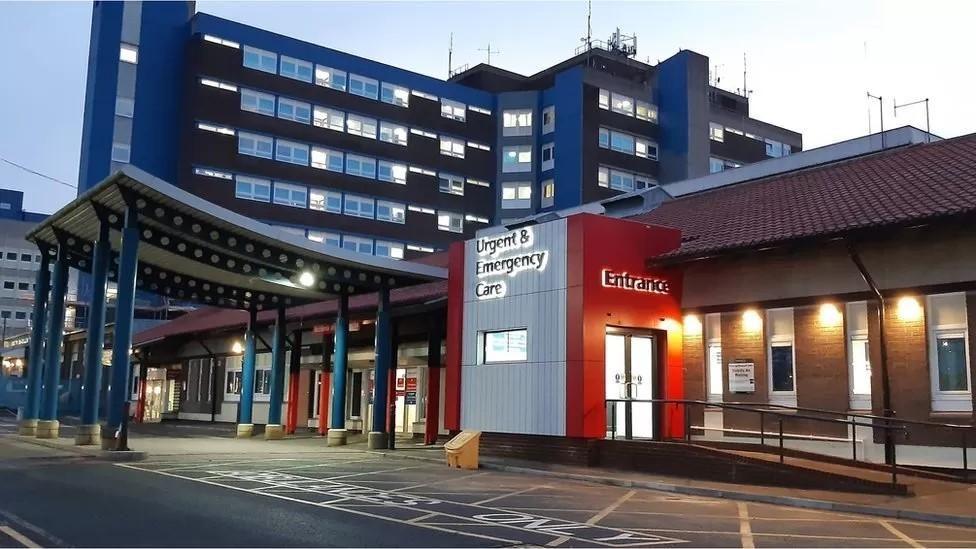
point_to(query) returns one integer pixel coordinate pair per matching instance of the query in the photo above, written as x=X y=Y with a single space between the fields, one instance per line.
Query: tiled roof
x=208 y=319
x=907 y=185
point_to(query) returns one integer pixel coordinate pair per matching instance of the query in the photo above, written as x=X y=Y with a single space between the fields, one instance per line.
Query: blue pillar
x=274 y=430
x=378 y=437
x=245 y=407
x=47 y=426
x=90 y=432
x=337 y=421
x=35 y=361
x=119 y=389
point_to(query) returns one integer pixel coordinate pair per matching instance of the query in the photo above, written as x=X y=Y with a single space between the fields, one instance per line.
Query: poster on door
x=411 y=384
x=411 y=397
x=742 y=377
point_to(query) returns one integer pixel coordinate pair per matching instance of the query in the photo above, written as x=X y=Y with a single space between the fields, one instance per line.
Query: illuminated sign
x=506 y=255
x=634 y=283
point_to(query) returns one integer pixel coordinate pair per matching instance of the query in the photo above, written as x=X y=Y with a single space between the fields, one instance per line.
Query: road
x=359 y=499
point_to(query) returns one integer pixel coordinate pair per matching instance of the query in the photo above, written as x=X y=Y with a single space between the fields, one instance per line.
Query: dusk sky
x=810 y=63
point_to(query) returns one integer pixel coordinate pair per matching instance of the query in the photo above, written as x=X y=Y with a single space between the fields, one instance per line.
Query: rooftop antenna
x=622 y=43
x=745 y=92
x=589 y=27
x=450 y=56
x=490 y=51
x=928 y=132
x=881 y=114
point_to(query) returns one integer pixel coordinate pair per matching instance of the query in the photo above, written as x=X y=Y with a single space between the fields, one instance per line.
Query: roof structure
x=905 y=186
x=193 y=250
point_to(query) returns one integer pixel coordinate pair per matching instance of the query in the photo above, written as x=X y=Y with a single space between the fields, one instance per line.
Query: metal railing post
x=687 y=422
x=965 y=455
x=854 y=439
x=781 y=440
x=762 y=428
x=894 y=461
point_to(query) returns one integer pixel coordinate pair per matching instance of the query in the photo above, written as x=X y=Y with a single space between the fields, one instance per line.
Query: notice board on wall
x=742 y=377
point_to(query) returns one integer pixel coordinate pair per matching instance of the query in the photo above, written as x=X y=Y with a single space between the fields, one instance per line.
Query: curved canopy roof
x=193 y=250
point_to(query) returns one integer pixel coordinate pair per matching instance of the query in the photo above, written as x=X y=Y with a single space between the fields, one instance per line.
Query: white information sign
x=742 y=377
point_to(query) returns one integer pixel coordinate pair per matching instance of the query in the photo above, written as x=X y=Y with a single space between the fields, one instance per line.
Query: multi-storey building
x=360 y=155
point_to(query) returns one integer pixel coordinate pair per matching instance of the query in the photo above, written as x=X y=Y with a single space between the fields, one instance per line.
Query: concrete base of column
x=27 y=427
x=274 y=432
x=378 y=441
x=48 y=428
x=245 y=430
x=88 y=435
x=335 y=437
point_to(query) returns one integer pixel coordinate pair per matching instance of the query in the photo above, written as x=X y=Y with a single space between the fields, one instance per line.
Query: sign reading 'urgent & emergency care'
x=506 y=255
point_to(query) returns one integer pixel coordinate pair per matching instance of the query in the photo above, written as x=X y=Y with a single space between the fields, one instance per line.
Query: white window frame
x=358 y=210
x=360 y=85
x=325 y=162
x=712 y=329
x=622 y=176
x=857 y=336
x=251 y=101
x=330 y=119
x=290 y=200
x=360 y=161
x=446 y=221
x=298 y=64
x=322 y=199
x=947 y=401
x=326 y=238
x=549 y=126
x=604 y=99
x=362 y=126
x=517 y=153
x=551 y=163
x=452 y=147
x=125 y=107
x=129 y=53
x=628 y=150
x=548 y=196
x=645 y=148
x=649 y=111
x=622 y=104
x=785 y=398
x=252 y=181
x=121 y=152
x=357 y=244
x=264 y=59
x=450 y=184
x=393 y=133
x=398 y=211
x=296 y=108
x=394 y=95
x=454 y=110
x=516 y=195
x=285 y=151
x=516 y=122
x=398 y=172
x=716 y=132
x=327 y=77
x=395 y=249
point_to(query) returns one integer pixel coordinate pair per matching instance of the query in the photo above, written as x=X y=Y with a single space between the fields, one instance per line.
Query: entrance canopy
x=191 y=249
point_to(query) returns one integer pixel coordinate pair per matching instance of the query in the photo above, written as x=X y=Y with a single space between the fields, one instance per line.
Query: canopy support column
x=379 y=435
x=337 y=425
x=245 y=428
x=89 y=432
x=119 y=393
x=274 y=429
x=35 y=354
x=48 y=425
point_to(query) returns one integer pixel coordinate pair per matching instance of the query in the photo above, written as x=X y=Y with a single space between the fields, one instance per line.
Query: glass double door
x=630 y=383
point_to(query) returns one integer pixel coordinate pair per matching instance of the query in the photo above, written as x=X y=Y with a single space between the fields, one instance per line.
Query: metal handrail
x=853 y=414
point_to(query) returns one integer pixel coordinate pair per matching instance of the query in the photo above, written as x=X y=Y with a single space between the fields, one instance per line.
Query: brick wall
x=821 y=369
x=739 y=344
x=693 y=348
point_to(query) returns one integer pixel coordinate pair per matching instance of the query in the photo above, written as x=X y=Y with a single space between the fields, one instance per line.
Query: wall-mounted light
x=909 y=309
x=751 y=321
x=830 y=315
x=693 y=325
x=236 y=348
x=306 y=279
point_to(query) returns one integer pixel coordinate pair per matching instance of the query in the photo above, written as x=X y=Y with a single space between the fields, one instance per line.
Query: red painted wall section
x=596 y=243
x=453 y=336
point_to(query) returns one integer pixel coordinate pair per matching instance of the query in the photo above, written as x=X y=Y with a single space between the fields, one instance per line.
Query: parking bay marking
x=347 y=495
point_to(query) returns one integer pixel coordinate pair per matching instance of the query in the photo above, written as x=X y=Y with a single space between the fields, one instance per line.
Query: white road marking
x=901 y=535
x=745 y=529
x=24 y=525
x=595 y=519
x=510 y=494
x=18 y=537
x=440 y=482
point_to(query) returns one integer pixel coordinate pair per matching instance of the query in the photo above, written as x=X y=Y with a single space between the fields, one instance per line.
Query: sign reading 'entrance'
x=503 y=255
x=634 y=283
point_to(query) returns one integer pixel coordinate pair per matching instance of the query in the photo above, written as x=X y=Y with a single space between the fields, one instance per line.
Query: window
x=391 y=172
x=362 y=86
x=548 y=156
x=393 y=212
x=646 y=111
x=395 y=95
x=549 y=119
x=326 y=159
x=604 y=99
x=262 y=380
x=223 y=130
x=297 y=111
x=452 y=147
x=775 y=149
x=26 y=258
x=331 y=240
x=622 y=142
x=548 y=193
x=361 y=125
x=330 y=78
x=361 y=166
x=252 y=188
x=948 y=334
x=295 y=68
x=23 y=285
x=356 y=244
x=713 y=348
x=451 y=184
x=359 y=206
x=604 y=140
x=218 y=84
x=645 y=148
x=449 y=221
x=291 y=152
x=716 y=165
x=516 y=195
x=261 y=60
x=385 y=248
x=129 y=53
x=859 y=357
x=782 y=374
x=622 y=104
x=517 y=122
x=716 y=132
x=124 y=106
x=517 y=159
x=617 y=180
x=506 y=346
x=392 y=133
x=329 y=119
x=221 y=41
x=121 y=152
x=290 y=195
x=8 y=285
x=254 y=145
x=255 y=101
x=326 y=201
x=453 y=109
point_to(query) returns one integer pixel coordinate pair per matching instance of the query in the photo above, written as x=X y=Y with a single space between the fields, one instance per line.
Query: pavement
x=193 y=491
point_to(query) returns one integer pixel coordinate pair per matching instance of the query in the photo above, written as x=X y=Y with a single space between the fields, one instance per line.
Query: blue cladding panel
x=208 y=24
x=567 y=96
x=673 y=111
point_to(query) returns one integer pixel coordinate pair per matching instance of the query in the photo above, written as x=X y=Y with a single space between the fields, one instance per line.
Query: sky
x=810 y=63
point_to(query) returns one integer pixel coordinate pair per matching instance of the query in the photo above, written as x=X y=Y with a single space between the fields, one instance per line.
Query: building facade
x=18 y=264
x=356 y=154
